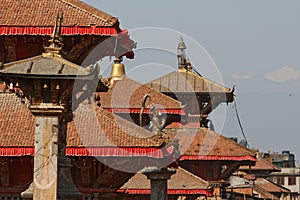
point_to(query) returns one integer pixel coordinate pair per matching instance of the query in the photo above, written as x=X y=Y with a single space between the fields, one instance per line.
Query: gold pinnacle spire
x=181 y=44
x=56 y=41
x=181 y=54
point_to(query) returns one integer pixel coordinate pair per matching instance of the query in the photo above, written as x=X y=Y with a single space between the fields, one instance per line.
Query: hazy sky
x=255 y=46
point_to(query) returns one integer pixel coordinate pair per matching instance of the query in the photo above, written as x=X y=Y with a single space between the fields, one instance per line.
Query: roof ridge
x=231 y=141
x=270 y=164
x=22 y=60
x=193 y=74
x=152 y=90
x=202 y=77
x=275 y=184
x=127 y=124
x=193 y=175
x=86 y=11
x=257 y=187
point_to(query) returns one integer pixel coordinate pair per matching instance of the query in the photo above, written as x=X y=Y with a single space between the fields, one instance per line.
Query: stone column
x=159 y=182
x=66 y=187
x=46 y=150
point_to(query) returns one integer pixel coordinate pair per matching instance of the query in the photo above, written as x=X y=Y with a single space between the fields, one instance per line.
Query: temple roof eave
x=184 y=82
x=46 y=66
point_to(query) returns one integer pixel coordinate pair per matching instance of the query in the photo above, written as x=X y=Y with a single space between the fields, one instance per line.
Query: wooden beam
x=229 y=170
x=211 y=105
x=111 y=179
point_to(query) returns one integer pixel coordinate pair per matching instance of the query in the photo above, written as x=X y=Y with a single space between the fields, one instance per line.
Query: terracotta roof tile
x=43 y=13
x=90 y=127
x=269 y=186
x=253 y=190
x=16 y=122
x=244 y=189
x=191 y=181
x=202 y=142
x=249 y=176
x=100 y=128
x=264 y=194
x=262 y=164
x=128 y=93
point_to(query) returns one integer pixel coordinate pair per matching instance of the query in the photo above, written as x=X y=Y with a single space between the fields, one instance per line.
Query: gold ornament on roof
x=56 y=41
x=181 y=54
x=189 y=66
x=181 y=44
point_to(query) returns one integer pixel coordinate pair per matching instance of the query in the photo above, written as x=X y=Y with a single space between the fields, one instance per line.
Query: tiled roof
x=90 y=128
x=207 y=144
x=252 y=190
x=16 y=122
x=101 y=128
x=45 y=65
x=249 y=176
x=185 y=81
x=262 y=164
x=270 y=187
x=42 y=13
x=244 y=189
x=264 y=194
x=128 y=93
x=175 y=184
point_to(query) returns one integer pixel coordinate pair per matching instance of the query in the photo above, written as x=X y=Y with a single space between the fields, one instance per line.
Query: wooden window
x=292 y=180
x=280 y=180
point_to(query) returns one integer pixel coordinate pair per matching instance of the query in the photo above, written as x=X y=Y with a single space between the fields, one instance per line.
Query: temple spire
x=181 y=54
x=56 y=41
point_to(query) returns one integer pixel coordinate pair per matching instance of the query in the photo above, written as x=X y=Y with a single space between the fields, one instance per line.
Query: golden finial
x=56 y=41
x=181 y=54
x=181 y=44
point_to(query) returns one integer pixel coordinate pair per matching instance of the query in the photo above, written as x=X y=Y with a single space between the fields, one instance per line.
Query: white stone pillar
x=46 y=150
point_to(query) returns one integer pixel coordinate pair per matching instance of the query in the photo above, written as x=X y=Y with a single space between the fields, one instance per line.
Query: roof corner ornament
x=145 y=97
x=181 y=54
x=233 y=89
x=56 y=41
x=157 y=124
x=189 y=65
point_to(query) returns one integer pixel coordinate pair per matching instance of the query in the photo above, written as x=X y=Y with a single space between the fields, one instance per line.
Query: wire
x=193 y=68
x=240 y=124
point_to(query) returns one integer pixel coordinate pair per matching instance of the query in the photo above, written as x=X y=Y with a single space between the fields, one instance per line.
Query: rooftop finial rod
x=56 y=41
x=181 y=44
x=181 y=54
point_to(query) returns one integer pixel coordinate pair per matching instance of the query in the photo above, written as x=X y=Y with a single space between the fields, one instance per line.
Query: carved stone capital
x=159 y=174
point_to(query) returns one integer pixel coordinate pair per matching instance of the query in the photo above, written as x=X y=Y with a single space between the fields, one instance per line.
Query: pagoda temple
x=184 y=100
x=89 y=141
x=69 y=149
x=25 y=28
